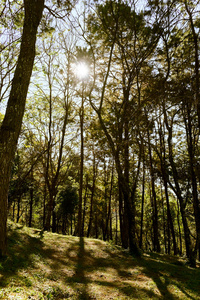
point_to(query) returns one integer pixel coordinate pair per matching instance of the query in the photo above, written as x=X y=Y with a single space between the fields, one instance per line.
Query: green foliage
x=145 y=85
x=68 y=200
x=1 y=118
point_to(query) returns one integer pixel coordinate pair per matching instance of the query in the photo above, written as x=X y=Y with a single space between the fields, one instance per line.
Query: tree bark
x=123 y=219
x=84 y=206
x=177 y=190
x=142 y=207
x=196 y=55
x=31 y=201
x=79 y=227
x=170 y=224
x=191 y=152
x=156 y=243
x=11 y=125
x=92 y=195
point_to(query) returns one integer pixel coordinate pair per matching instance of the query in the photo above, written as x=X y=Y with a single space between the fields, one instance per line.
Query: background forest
x=111 y=153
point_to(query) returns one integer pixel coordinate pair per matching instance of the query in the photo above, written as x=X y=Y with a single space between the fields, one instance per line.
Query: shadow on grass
x=165 y=273
x=84 y=266
x=21 y=249
x=88 y=264
x=80 y=271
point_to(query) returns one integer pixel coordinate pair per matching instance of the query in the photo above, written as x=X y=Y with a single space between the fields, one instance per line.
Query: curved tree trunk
x=11 y=126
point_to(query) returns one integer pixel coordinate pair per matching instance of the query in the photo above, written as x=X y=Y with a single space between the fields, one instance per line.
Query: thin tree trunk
x=142 y=207
x=96 y=226
x=54 y=219
x=188 y=243
x=166 y=238
x=191 y=152
x=124 y=186
x=196 y=55
x=123 y=219
x=179 y=230
x=170 y=223
x=110 y=202
x=31 y=201
x=31 y=208
x=13 y=211
x=18 y=208
x=92 y=195
x=44 y=204
x=156 y=243
x=116 y=224
x=79 y=229
x=108 y=214
x=84 y=207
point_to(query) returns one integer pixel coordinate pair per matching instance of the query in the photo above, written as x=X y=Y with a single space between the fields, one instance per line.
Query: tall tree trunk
x=170 y=220
x=84 y=206
x=179 y=230
x=49 y=210
x=196 y=55
x=191 y=152
x=167 y=240
x=44 y=205
x=11 y=126
x=92 y=196
x=54 y=219
x=31 y=201
x=188 y=244
x=156 y=243
x=104 y=221
x=18 y=208
x=31 y=208
x=196 y=203
x=79 y=226
x=53 y=183
x=165 y=177
x=116 y=223
x=142 y=207
x=123 y=219
x=13 y=211
x=124 y=184
x=110 y=198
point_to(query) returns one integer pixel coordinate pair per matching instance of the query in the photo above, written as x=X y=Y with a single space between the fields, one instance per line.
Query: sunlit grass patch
x=42 y=266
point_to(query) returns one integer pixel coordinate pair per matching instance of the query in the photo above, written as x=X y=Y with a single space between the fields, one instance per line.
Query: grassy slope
x=51 y=266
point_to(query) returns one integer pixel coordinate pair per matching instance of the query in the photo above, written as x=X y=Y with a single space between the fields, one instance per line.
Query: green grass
x=51 y=266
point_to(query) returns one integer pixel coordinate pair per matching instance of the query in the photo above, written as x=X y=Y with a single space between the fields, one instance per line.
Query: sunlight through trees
x=107 y=145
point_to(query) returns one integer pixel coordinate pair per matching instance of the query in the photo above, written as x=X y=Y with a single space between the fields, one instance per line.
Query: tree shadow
x=88 y=267
x=80 y=271
x=20 y=251
x=88 y=264
x=164 y=273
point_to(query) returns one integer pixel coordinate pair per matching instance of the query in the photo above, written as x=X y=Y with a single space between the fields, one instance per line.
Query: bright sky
x=81 y=70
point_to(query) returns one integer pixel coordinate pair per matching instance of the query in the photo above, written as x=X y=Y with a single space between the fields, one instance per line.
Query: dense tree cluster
x=112 y=154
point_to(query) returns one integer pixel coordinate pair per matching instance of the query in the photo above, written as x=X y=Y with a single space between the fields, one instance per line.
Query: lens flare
x=81 y=70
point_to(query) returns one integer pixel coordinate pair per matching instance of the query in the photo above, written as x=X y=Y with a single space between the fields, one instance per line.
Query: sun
x=81 y=70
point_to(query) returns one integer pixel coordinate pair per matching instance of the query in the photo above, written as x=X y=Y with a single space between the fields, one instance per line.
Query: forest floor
x=42 y=265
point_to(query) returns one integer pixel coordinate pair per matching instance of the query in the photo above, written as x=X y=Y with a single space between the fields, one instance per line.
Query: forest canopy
x=109 y=150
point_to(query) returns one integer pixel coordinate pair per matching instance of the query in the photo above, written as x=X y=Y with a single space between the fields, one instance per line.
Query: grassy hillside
x=51 y=266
